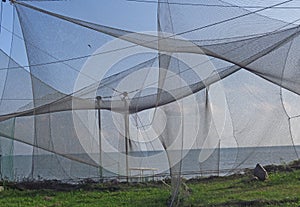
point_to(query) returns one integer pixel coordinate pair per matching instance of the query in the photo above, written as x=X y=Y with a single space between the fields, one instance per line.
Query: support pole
x=126 y=143
x=1 y=167
x=98 y=99
x=219 y=157
x=126 y=121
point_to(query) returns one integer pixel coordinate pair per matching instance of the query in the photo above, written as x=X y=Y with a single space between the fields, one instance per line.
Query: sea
x=151 y=164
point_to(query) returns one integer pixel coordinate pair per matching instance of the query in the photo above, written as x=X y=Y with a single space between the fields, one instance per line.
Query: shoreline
x=281 y=189
x=114 y=184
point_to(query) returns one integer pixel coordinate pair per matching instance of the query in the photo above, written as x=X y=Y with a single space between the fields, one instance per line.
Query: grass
x=281 y=189
x=125 y=195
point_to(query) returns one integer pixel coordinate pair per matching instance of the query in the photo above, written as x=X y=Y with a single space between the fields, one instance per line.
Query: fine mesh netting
x=213 y=90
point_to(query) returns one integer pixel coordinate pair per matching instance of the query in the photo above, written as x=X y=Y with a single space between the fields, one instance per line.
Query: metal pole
x=98 y=98
x=126 y=120
x=1 y=166
x=126 y=144
x=219 y=157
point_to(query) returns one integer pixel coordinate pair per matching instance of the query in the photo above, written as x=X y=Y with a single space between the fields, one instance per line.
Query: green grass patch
x=281 y=189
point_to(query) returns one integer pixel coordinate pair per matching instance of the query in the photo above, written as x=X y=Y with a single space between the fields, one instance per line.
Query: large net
x=212 y=91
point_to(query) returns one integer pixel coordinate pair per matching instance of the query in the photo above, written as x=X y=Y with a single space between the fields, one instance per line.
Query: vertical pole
x=126 y=121
x=98 y=98
x=1 y=166
x=219 y=157
x=126 y=143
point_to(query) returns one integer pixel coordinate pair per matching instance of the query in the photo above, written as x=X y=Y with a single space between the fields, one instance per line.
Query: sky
x=129 y=15
x=132 y=16
x=116 y=13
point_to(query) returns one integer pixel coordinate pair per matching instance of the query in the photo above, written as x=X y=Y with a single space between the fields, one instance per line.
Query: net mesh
x=212 y=91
